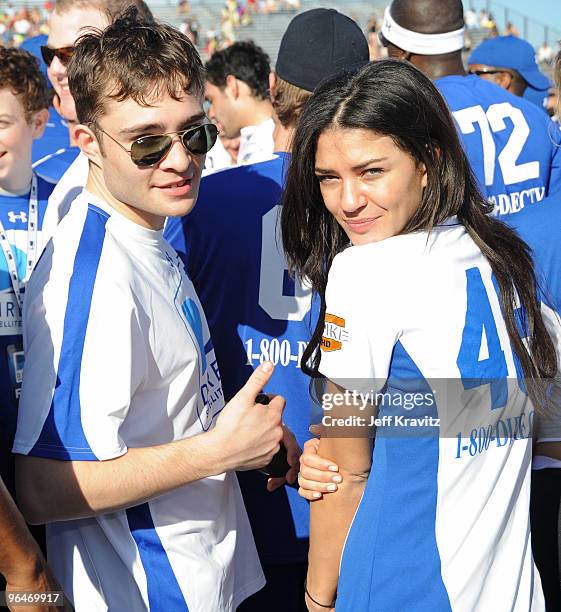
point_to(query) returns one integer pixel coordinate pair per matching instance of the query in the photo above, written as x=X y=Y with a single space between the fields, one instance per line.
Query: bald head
x=428 y=16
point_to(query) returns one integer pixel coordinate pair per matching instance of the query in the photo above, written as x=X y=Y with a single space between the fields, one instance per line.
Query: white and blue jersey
x=14 y=211
x=444 y=520
x=513 y=147
x=119 y=356
x=67 y=189
x=256 y=312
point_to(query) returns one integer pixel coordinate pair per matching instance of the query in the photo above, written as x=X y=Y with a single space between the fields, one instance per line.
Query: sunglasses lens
x=64 y=54
x=149 y=150
x=201 y=140
x=47 y=54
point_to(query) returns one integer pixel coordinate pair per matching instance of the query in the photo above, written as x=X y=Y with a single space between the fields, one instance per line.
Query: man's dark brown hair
x=131 y=59
x=20 y=73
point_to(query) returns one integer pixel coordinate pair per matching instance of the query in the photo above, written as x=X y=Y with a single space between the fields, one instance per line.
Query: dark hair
x=393 y=98
x=113 y=8
x=20 y=73
x=131 y=59
x=244 y=60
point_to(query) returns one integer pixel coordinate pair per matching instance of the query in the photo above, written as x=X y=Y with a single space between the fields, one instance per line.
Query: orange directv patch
x=329 y=318
x=328 y=345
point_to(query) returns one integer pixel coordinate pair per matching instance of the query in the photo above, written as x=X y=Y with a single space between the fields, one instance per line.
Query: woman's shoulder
x=403 y=249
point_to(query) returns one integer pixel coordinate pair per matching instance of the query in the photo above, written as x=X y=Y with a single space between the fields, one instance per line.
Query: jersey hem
x=249 y=589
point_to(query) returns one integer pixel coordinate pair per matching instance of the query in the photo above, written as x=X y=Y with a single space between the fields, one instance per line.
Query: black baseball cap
x=317 y=44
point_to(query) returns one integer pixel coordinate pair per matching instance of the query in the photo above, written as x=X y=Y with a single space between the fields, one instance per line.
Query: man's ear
x=272 y=85
x=39 y=122
x=232 y=86
x=504 y=79
x=86 y=139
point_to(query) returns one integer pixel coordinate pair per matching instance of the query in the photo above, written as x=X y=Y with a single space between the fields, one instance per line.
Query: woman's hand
x=317 y=474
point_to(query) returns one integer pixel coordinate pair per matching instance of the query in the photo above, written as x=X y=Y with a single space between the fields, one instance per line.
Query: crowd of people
x=19 y=24
x=279 y=339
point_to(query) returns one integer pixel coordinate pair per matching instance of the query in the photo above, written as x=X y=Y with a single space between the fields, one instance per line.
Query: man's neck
x=439 y=66
x=257 y=113
x=96 y=186
x=282 y=137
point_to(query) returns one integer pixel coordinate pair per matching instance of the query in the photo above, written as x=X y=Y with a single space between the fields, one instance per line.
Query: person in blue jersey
x=52 y=152
x=540 y=228
x=431 y=333
x=510 y=62
x=23 y=200
x=513 y=148
x=255 y=311
x=23 y=114
x=125 y=446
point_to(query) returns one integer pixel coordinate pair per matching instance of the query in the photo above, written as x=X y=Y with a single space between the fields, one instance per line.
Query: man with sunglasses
x=510 y=62
x=513 y=147
x=125 y=447
x=56 y=155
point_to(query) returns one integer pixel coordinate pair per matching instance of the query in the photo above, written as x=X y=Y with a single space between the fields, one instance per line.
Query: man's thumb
x=257 y=381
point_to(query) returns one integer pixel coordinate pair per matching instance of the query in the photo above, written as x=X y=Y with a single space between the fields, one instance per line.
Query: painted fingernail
x=336 y=478
x=316 y=495
x=332 y=487
x=333 y=468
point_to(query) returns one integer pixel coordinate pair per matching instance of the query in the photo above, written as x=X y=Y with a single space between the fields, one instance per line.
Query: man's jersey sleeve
x=555 y=176
x=359 y=331
x=85 y=358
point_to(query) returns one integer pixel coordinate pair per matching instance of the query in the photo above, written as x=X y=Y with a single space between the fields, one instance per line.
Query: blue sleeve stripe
x=62 y=436
x=164 y=593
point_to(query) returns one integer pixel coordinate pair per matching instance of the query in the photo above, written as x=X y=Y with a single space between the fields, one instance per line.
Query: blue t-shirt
x=540 y=228
x=13 y=214
x=513 y=146
x=52 y=153
x=54 y=165
x=231 y=246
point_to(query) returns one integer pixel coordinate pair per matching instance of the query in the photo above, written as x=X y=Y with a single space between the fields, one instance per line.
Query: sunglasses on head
x=149 y=150
x=63 y=53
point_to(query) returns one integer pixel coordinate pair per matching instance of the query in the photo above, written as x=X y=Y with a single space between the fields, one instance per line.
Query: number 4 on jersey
x=481 y=360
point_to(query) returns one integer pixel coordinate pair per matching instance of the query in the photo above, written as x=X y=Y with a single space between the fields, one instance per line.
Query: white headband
x=423 y=44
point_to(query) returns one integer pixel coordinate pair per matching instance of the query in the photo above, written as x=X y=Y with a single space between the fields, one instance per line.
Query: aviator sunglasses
x=149 y=150
x=63 y=53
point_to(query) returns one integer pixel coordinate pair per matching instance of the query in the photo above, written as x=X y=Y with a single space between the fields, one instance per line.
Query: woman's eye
x=373 y=171
x=323 y=178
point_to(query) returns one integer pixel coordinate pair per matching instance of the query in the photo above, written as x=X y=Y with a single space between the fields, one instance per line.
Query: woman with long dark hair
x=430 y=312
